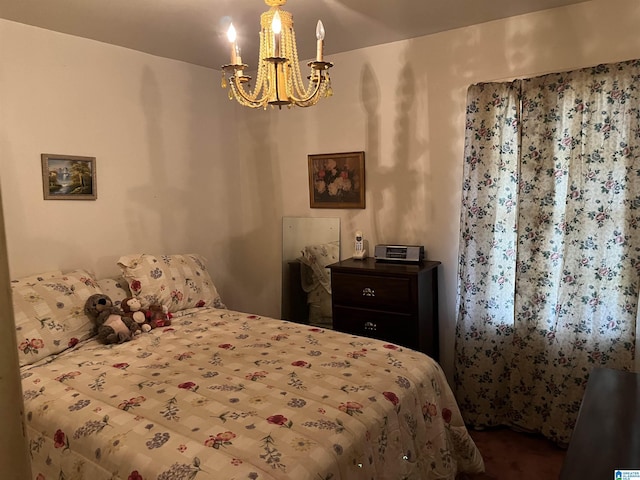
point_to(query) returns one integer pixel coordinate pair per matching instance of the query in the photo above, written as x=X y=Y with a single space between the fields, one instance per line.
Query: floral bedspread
x=227 y=395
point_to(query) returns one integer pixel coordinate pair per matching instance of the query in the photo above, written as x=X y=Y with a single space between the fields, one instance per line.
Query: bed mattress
x=228 y=395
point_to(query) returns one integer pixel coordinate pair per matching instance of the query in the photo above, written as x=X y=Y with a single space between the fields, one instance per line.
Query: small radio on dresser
x=399 y=253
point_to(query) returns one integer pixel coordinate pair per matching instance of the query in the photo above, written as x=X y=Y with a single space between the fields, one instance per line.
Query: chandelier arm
x=312 y=90
x=248 y=98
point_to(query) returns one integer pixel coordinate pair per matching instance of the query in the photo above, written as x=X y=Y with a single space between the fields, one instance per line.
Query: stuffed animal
x=132 y=308
x=158 y=316
x=110 y=323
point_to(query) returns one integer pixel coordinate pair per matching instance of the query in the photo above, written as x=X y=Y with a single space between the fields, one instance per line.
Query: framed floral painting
x=336 y=180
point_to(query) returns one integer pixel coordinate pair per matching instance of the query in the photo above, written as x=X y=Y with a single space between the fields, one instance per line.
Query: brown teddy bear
x=158 y=316
x=110 y=323
x=133 y=309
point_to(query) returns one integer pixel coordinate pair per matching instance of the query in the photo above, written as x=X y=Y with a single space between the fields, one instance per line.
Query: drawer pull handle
x=368 y=292
x=370 y=326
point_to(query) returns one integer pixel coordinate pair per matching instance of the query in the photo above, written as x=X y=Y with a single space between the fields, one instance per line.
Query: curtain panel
x=549 y=246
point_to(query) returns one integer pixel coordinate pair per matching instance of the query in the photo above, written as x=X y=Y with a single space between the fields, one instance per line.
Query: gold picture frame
x=336 y=180
x=68 y=177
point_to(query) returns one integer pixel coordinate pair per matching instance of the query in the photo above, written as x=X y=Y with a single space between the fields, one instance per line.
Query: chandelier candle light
x=278 y=80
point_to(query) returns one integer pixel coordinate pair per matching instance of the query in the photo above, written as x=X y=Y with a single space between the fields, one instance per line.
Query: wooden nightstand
x=387 y=301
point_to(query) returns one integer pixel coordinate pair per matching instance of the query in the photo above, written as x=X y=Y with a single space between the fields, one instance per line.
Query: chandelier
x=278 y=79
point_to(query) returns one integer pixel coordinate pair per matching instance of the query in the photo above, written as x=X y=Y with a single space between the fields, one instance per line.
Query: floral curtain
x=550 y=244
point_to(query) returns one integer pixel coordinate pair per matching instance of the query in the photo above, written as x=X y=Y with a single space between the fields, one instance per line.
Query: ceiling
x=194 y=30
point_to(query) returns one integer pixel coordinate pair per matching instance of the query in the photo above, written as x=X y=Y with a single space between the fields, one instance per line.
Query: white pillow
x=116 y=288
x=175 y=281
x=49 y=312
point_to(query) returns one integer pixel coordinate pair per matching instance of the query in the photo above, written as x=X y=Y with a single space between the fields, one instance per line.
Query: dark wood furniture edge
x=298 y=306
x=606 y=437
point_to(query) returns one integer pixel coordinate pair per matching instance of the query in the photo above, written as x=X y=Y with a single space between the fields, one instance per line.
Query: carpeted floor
x=510 y=455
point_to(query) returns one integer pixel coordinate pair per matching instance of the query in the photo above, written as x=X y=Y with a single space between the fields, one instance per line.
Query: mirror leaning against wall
x=309 y=245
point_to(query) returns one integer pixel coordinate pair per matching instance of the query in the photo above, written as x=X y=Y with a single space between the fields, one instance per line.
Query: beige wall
x=164 y=149
x=182 y=168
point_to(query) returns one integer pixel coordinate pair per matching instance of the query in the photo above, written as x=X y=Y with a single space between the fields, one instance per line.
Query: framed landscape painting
x=68 y=177
x=336 y=180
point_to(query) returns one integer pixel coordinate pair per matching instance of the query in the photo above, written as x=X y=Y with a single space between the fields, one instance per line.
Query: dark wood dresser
x=388 y=301
x=606 y=437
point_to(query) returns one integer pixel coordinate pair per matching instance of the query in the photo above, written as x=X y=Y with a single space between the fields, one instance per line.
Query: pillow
x=317 y=258
x=116 y=288
x=36 y=278
x=49 y=313
x=175 y=281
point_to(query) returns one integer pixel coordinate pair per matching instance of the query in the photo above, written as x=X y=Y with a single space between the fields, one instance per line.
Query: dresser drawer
x=372 y=291
x=401 y=329
x=393 y=302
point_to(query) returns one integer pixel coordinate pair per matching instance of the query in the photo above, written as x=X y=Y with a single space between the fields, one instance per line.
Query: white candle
x=276 y=26
x=231 y=35
x=320 y=43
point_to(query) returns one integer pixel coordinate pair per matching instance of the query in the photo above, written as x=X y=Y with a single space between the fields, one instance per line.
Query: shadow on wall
x=209 y=167
x=162 y=212
x=227 y=188
x=396 y=185
x=152 y=217
x=255 y=247
x=370 y=99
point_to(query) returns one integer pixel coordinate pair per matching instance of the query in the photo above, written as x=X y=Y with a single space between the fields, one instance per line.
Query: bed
x=221 y=394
